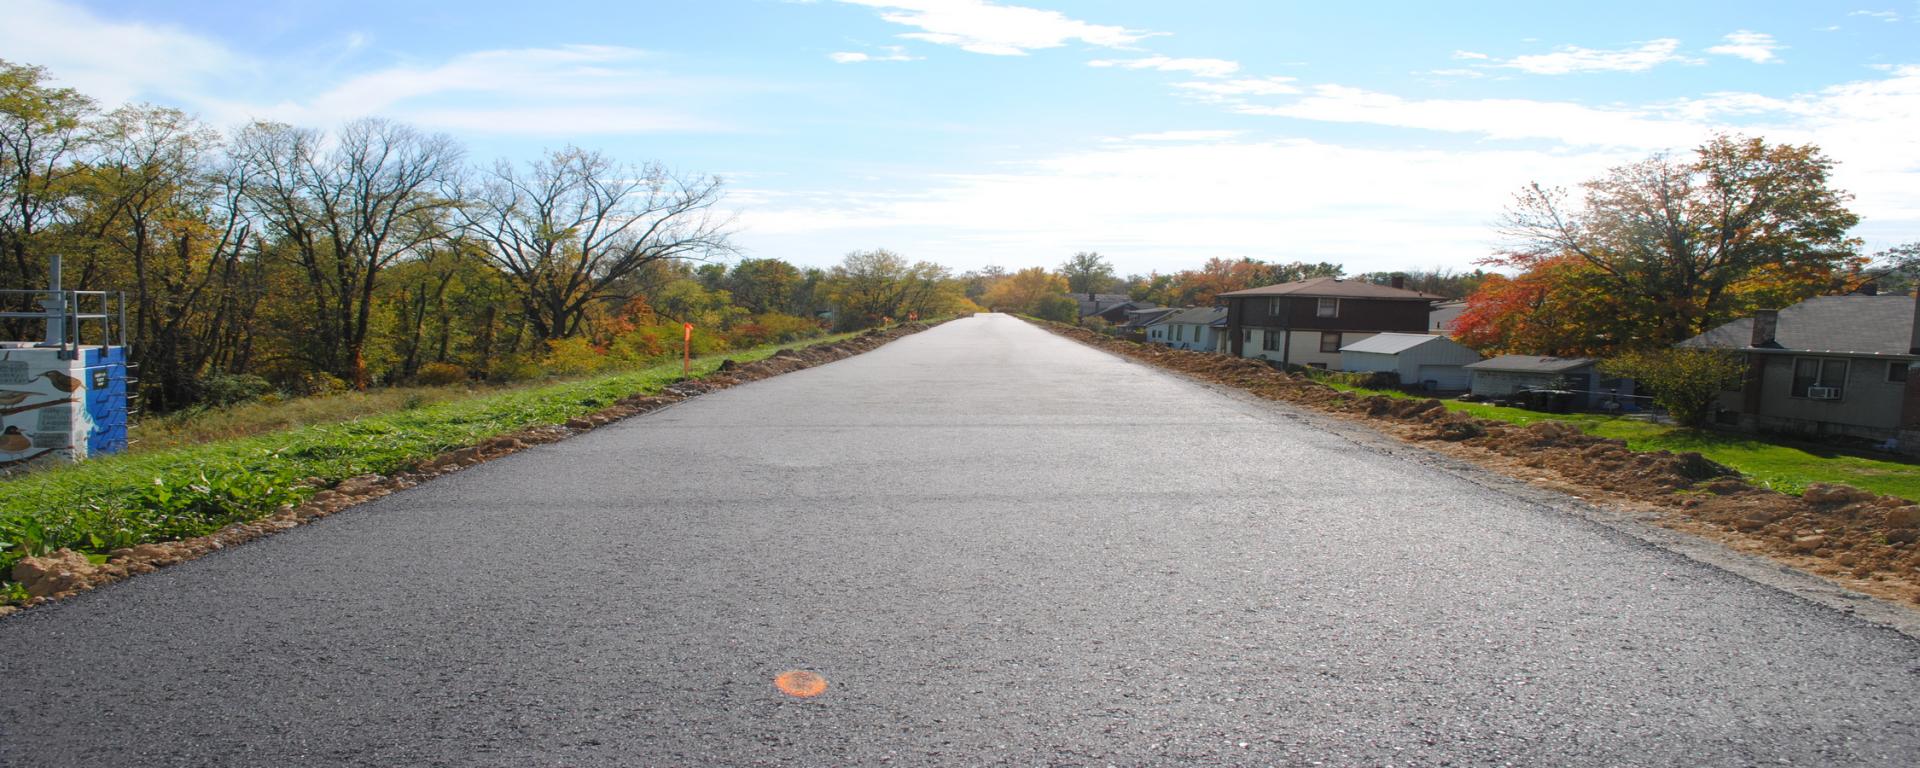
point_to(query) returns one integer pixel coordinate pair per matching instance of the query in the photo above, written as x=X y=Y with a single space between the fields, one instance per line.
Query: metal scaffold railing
x=72 y=319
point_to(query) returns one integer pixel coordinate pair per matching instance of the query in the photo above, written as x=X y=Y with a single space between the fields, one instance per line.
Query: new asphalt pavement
x=999 y=548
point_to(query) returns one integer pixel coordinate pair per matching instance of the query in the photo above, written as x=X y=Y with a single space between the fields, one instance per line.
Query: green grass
x=195 y=426
x=159 y=495
x=1784 y=467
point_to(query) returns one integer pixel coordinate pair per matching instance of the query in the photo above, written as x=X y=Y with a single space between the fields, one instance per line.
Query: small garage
x=1436 y=363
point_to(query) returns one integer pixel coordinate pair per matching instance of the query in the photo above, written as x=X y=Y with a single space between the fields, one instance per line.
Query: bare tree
x=570 y=225
x=346 y=210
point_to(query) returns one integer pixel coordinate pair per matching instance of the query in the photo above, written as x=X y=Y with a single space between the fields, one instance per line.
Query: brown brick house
x=1307 y=322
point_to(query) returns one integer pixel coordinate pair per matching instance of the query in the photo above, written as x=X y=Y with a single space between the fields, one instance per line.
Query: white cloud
x=1223 y=89
x=112 y=61
x=1471 y=56
x=561 y=120
x=981 y=26
x=1367 y=208
x=1572 y=58
x=1757 y=47
x=1196 y=67
x=1189 y=136
x=1886 y=16
x=1866 y=126
x=1567 y=122
x=542 y=91
x=889 y=53
x=550 y=91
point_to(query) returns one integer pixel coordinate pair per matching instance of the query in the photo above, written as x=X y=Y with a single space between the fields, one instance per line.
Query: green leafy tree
x=869 y=286
x=1686 y=382
x=768 y=285
x=1058 y=308
x=1896 y=269
x=43 y=132
x=1087 y=272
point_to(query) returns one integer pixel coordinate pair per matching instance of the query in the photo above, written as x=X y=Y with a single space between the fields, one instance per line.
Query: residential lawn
x=158 y=495
x=1780 y=466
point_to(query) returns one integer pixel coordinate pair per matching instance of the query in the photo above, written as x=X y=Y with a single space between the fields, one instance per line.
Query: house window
x=1327 y=308
x=1179 y=333
x=1330 y=341
x=1818 y=378
x=1897 y=372
x=1275 y=307
x=1270 y=340
x=1246 y=335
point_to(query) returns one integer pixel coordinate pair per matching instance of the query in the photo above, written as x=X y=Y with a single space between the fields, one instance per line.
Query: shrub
x=229 y=389
x=1686 y=382
x=773 y=328
x=1060 y=309
x=513 y=368
x=317 y=383
x=440 y=375
x=572 y=357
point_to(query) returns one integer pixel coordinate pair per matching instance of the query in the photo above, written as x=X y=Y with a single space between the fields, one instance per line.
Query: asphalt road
x=999 y=547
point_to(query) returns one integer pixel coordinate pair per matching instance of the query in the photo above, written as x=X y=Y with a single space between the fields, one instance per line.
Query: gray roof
x=1335 y=287
x=1391 y=343
x=1197 y=316
x=1860 y=325
x=1444 y=314
x=1141 y=318
x=1531 y=364
x=1101 y=302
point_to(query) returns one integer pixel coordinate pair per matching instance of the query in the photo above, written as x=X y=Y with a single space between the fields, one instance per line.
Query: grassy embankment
x=1782 y=467
x=162 y=494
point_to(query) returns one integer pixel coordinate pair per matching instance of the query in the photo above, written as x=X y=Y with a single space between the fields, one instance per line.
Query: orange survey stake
x=686 y=351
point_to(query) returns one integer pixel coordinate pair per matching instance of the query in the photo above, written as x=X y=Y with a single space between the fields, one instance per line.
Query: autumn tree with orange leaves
x=1024 y=291
x=1663 y=249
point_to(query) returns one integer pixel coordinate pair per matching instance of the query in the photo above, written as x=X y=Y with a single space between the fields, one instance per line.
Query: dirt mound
x=1868 y=541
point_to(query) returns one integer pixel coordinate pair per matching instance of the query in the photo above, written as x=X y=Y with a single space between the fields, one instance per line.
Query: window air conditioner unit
x=1823 y=393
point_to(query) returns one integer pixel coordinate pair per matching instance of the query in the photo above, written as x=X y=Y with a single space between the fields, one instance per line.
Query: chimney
x=1913 y=336
x=1400 y=281
x=1765 y=323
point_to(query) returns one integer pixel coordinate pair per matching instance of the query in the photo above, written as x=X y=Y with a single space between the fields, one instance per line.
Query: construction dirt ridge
x=1859 y=539
x=63 y=573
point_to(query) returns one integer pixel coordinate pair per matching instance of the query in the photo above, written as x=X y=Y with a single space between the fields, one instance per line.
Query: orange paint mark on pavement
x=800 y=683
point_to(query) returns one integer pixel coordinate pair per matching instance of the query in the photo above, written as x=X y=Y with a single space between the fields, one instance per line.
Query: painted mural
x=58 y=410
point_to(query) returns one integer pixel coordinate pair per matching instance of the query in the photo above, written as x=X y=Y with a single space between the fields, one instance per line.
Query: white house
x=1191 y=328
x=1507 y=374
x=1434 y=362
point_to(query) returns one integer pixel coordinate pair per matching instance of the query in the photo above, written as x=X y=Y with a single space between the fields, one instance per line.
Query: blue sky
x=1379 y=135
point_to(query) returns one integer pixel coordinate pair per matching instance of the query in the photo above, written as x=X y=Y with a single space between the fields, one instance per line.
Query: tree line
x=379 y=253
x=1050 y=293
